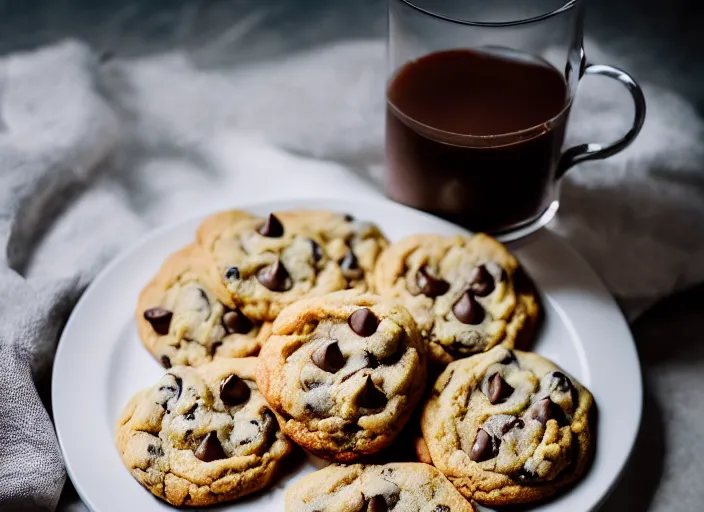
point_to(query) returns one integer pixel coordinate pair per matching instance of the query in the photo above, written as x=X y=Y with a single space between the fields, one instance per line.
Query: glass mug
x=478 y=99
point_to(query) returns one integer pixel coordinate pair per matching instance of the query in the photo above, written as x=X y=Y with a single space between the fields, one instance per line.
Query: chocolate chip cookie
x=202 y=435
x=343 y=373
x=267 y=264
x=407 y=487
x=467 y=293
x=508 y=427
x=185 y=318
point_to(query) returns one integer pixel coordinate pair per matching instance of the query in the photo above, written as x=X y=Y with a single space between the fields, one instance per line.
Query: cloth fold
x=94 y=155
x=57 y=131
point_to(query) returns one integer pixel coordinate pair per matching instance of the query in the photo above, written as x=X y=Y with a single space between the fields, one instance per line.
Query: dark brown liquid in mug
x=462 y=92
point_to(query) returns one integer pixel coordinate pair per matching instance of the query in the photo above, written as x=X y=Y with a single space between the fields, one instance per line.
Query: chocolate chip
x=371 y=397
x=170 y=389
x=328 y=357
x=546 y=410
x=468 y=310
x=275 y=277
x=430 y=285
x=441 y=508
x=179 y=386
x=232 y=273
x=363 y=322
x=377 y=504
x=483 y=447
x=481 y=282
x=498 y=389
x=269 y=427
x=191 y=413
x=155 y=451
x=234 y=321
x=272 y=228
x=542 y=411
x=160 y=319
x=563 y=384
x=316 y=251
x=234 y=391
x=350 y=266
x=210 y=449
x=514 y=423
x=165 y=362
x=348 y=218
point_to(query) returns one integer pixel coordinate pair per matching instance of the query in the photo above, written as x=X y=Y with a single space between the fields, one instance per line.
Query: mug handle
x=585 y=152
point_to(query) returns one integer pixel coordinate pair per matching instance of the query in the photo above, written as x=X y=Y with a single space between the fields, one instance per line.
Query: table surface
x=665 y=470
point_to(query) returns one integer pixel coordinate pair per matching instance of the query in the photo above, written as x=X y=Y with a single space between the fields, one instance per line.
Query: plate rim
x=338 y=203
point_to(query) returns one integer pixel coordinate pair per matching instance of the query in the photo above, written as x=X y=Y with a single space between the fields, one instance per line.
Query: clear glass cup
x=478 y=102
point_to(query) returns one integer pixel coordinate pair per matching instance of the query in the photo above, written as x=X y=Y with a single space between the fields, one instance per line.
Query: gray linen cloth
x=93 y=155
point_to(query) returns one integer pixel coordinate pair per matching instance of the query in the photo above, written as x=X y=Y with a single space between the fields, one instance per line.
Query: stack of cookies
x=307 y=329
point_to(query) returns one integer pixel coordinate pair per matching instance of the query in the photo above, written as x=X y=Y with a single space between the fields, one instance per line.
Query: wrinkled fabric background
x=116 y=120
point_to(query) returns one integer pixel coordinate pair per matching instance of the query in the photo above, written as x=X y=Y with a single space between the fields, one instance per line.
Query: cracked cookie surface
x=202 y=435
x=267 y=264
x=407 y=487
x=467 y=293
x=343 y=373
x=184 y=318
x=507 y=427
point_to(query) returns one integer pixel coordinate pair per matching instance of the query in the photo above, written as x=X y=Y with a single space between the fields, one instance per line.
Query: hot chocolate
x=475 y=136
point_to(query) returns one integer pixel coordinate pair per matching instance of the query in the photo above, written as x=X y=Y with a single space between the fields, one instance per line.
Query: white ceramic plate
x=100 y=362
